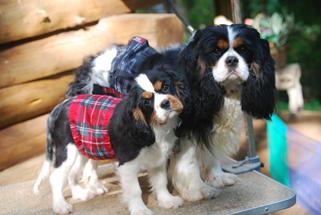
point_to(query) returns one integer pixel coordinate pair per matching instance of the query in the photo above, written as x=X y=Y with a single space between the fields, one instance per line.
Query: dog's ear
x=189 y=55
x=258 y=93
x=140 y=129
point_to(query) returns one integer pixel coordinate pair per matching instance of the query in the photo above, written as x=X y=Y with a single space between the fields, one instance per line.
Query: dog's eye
x=165 y=88
x=146 y=102
x=217 y=50
x=241 y=48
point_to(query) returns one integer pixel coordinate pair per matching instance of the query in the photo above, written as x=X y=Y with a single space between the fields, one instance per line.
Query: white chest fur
x=158 y=153
x=227 y=128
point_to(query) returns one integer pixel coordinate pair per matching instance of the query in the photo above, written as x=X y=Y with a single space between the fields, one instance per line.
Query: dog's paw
x=210 y=192
x=223 y=179
x=141 y=211
x=170 y=201
x=81 y=193
x=62 y=207
x=98 y=188
x=204 y=191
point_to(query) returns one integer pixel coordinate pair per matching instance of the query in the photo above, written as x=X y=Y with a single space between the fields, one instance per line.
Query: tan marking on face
x=178 y=86
x=176 y=104
x=158 y=85
x=255 y=67
x=138 y=115
x=147 y=95
x=238 y=41
x=154 y=118
x=202 y=66
x=222 y=44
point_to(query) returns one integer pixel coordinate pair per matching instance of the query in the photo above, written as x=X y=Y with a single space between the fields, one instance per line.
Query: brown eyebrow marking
x=178 y=86
x=138 y=115
x=222 y=44
x=238 y=41
x=158 y=85
x=147 y=95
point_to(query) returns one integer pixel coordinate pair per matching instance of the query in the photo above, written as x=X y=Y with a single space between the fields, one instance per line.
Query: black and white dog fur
x=237 y=61
x=229 y=70
x=141 y=140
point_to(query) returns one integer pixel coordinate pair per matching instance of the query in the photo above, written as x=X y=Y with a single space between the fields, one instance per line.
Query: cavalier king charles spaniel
x=223 y=71
x=230 y=71
x=137 y=130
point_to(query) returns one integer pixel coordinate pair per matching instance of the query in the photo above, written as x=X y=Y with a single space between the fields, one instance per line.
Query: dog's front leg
x=186 y=176
x=132 y=193
x=216 y=177
x=158 y=179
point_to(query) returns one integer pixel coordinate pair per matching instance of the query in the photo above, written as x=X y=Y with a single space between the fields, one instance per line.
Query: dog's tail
x=46 y=166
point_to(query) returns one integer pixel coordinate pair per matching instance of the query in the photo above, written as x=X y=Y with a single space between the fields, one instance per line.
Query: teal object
x=276 y=132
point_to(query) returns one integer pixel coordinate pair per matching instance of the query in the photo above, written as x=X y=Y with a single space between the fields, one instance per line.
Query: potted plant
x=276 y=29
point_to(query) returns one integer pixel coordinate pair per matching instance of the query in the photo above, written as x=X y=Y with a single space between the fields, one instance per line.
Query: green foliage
x=304 y=42
x=275 y=28
x=200 y=13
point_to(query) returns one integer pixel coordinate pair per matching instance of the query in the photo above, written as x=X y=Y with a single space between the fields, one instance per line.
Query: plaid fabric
x=89 y=116
x=100 y=90
x=124 y=67
x=110 y=91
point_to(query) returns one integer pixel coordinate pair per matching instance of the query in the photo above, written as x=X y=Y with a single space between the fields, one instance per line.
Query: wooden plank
x=66 y=51
x=22 y=141
x=24 y=101
x=24 y=19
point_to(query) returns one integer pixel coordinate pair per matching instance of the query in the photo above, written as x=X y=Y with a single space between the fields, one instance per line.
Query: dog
x=138 y=132
x=231 y=71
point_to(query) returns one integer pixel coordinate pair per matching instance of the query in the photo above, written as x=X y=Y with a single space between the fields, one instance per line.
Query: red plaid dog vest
x=89 y=117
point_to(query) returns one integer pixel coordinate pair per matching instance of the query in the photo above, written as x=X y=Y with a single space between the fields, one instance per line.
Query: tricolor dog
x=230 y=71
x=137 y=130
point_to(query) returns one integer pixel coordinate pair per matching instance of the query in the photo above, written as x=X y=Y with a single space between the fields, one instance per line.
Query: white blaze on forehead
x=231 y=35
x=143 y=81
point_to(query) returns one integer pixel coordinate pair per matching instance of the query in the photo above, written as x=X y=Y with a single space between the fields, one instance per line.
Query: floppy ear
x=189 y=55
x=128 y=124
x=258 y=93
x=128 y=135
x=140 y=130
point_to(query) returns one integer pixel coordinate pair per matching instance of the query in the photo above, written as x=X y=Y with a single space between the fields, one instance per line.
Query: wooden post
x=223 y=7
x=252 y=157
x=236 y=11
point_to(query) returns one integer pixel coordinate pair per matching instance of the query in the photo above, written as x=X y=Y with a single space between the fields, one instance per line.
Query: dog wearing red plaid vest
x=138 y=132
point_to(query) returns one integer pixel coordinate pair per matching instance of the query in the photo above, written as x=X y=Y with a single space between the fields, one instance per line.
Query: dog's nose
x=231 y=61
x=165 y=104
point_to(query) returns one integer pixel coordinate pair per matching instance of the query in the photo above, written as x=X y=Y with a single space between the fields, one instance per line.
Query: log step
x=66 y=51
